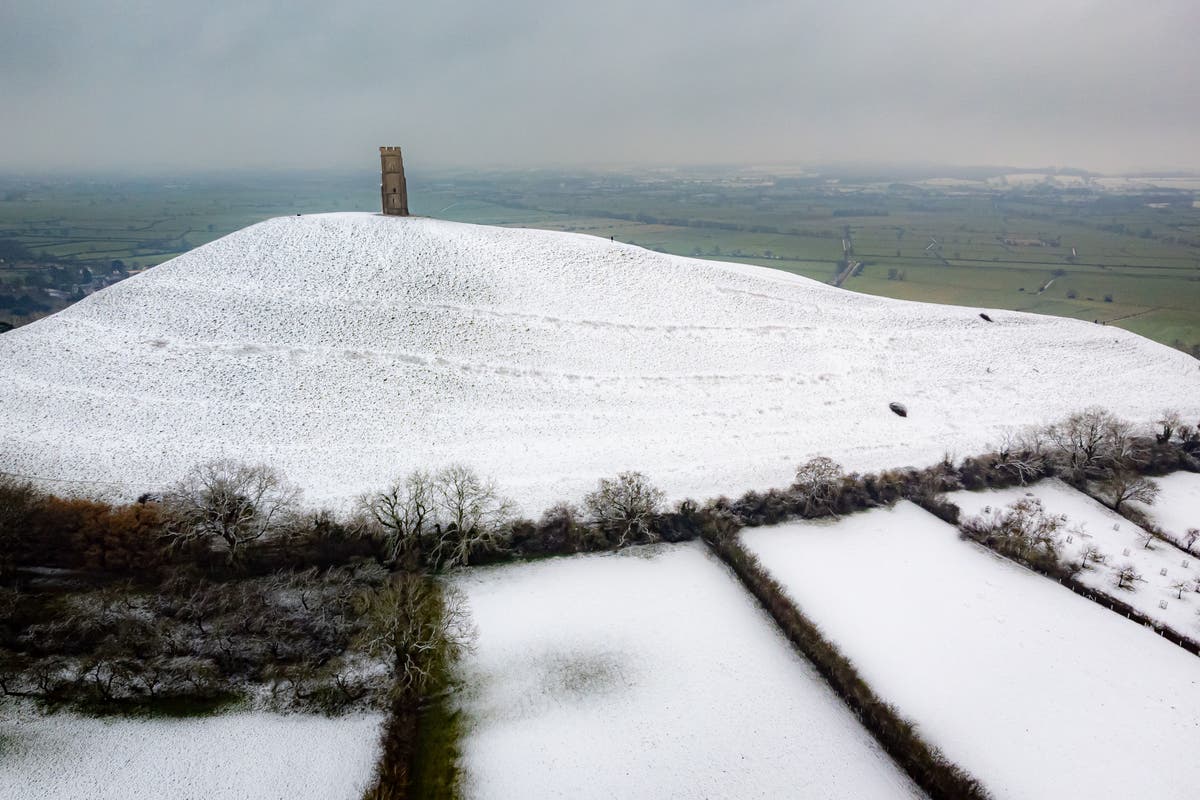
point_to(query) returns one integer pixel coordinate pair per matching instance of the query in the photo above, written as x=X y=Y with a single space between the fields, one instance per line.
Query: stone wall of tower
x=393 y=190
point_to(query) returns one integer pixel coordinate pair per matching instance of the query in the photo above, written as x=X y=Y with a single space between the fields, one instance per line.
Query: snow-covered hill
x=348 y=348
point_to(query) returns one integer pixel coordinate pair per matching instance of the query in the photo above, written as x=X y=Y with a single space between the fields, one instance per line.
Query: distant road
x=846 y=273
x=848 y=257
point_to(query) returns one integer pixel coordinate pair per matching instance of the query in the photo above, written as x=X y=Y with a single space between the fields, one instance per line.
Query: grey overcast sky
x=156 y=84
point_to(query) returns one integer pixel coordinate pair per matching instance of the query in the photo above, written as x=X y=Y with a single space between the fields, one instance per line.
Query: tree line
x=225 y=587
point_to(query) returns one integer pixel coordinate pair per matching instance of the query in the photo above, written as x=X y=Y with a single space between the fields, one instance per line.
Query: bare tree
x=229 y=504
x=1170 y=422
x=1188 y=433
x=421 y=626
x=1091 y=554
x=1079 y=440
x=819 y=482
x=439 y=519
x=471 y=514
x=624 y=508
x=1026 y=531
x=1127 y=575
x=1146 y=537
x=195 y=602
x=1189 y=538
x=1126 y=450
x=402 y=511
x=1124 y=485
x=1023 y=453
x=1180 y=587
x=1091 y=443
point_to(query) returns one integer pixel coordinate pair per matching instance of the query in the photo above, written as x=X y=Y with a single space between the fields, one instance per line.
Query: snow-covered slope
x=347 y=348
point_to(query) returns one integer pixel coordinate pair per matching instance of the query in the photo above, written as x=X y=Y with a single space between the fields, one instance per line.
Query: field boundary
x=1120 y=607
x=1097 y=596
x=925 y=764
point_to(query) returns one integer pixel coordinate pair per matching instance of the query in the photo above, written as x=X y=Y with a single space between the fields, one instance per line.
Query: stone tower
x=393 y=190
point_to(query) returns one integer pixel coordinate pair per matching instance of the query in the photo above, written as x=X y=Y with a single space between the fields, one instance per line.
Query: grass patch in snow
x=436 y=771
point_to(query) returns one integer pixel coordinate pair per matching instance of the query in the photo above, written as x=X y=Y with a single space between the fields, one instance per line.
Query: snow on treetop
x=345 y=349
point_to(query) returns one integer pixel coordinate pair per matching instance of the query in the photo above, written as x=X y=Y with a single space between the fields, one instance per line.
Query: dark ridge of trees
x=12 y=250
x=241 y=522
x=187 y=642
x=104 y=611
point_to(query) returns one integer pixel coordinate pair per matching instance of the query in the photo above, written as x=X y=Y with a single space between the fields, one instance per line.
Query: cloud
x=132 y=84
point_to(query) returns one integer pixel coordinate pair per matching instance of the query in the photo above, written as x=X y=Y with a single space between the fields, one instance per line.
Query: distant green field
x=1134 y=265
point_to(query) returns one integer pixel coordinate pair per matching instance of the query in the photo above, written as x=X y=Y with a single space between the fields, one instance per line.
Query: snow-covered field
x=1090 y=524
x=1141 y=183
x=227 y=757
x=650 y=673
x=347 y=348
x=1034 y=178
x=1177 y=507
x=1037 y=691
